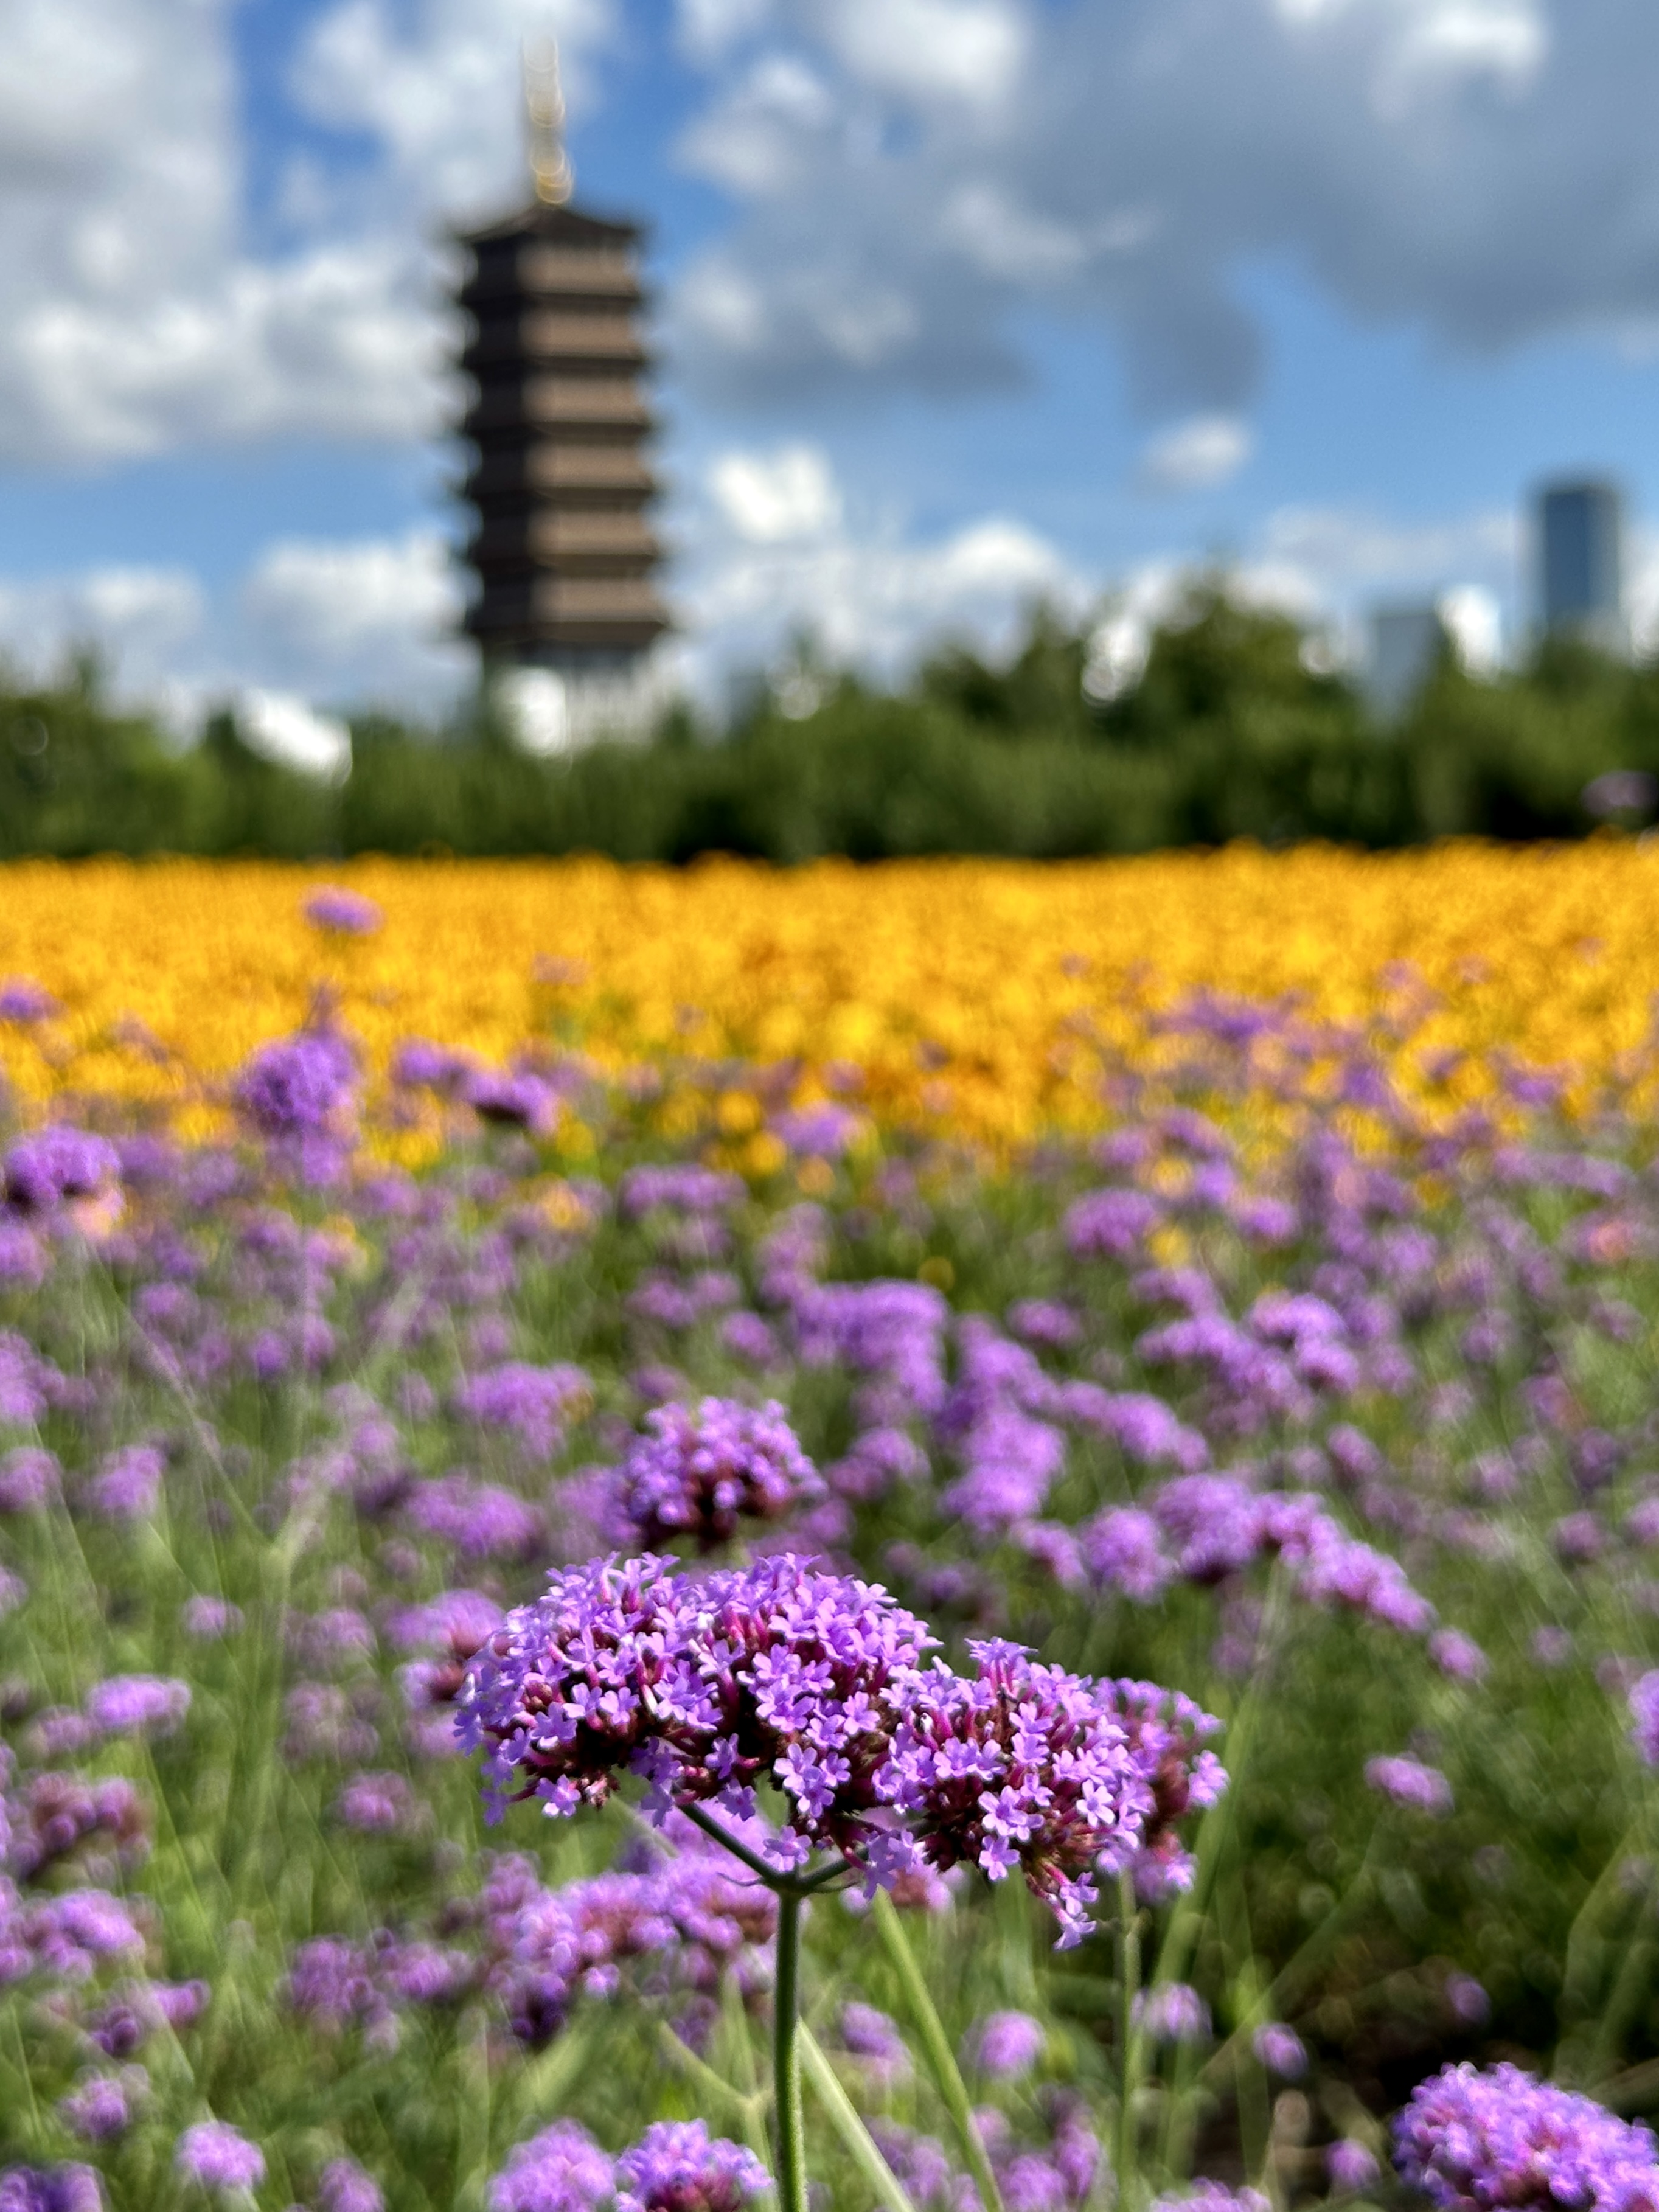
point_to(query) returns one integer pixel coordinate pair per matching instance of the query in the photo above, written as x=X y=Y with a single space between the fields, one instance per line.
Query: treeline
x=1231 y=730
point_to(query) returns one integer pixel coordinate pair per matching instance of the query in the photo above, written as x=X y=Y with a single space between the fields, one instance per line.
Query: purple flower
x=1458 y=1655
x=128 y=1484
x=1278 y=2050
x=1644 y=1716
x=1468 y=2000
x=29 y=1477
x=1484 y=2141
x=205 y=1616
x=131 y=1704
x=515 y=1101
x=298 y=1093
x=1111 y=1224
x=695 y=1475
x=676 y=2166
x=1026 y=1767
x=344 y=2186
x=1206 y=2195
x=706 y=1685
x=1408 y=1782
x=376 y=1804
x=1350 y=2166
x=100 y=2105
x=535 y=1403
x=1172 y=2013
x=219 y=2156
x=481 y=1520
x=1046 y=1322
x=1005 y=2044
x=872 y=2036
x=22 y=999
x=679 y=1190
x=561 y=2170
x=1123 y=1550
x=60 y=1168
x=49 y=2188
x=342 y=912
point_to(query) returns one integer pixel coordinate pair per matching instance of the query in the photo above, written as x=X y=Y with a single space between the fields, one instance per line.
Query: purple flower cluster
x=561 y=2170
x=1476 y=2140
x=694 y=1476
x=1408 y=1782
x=59 y=1171
x=70 y=2188
x=814 y=1683
x=219 y=2156
x=535 y=1404
x=342 y=912
x=676 y=2166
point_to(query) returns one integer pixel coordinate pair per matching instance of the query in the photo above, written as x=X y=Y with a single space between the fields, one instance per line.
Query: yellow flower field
x=974 y=994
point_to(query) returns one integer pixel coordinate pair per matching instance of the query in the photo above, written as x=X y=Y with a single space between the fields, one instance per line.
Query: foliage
x=1229 y=732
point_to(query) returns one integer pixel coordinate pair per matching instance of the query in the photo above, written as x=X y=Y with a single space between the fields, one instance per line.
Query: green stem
x=786 y=2059
x=940 y=2057
x=856 y=2139
x=1128 y=2040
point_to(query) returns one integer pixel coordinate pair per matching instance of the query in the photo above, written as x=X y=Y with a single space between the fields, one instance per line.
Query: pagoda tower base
x=556 y=703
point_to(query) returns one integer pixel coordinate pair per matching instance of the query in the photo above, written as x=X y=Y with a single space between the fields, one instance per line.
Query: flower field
x=960 y=1538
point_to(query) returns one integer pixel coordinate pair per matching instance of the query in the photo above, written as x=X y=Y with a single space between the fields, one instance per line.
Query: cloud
x=1483 y=169
x=770 y=498
x=371 y=619
x=1195 y=455
x=782 y=552
x=140 y=621
x=137 y=317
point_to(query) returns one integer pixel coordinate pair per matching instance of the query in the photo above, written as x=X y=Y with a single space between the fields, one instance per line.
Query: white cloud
x=1195 y=455
x=139 y=621
x=770 y=498
x=968 y=52
x=374 y=618
x=135 y=317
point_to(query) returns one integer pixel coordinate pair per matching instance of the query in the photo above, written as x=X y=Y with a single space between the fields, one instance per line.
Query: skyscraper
x=1581 y=562
x=562 y=545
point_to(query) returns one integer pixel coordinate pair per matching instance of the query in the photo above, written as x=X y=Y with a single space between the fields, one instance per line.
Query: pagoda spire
x=550 y=171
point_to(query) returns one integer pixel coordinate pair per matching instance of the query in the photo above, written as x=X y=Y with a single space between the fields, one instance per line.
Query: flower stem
x=941 y=2058
x=1128 y=2044
x=786 y=2059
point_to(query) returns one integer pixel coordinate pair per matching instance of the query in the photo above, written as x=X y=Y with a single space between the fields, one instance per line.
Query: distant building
x=1581 y=563
x=1403 y=649
x=562 y=546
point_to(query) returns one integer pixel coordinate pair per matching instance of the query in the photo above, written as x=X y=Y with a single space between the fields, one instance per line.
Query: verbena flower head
x=62 y=1172
x=23 y=999
x=131 y=1704
x=775 y=1672
x=871 y=2036
x=219 y=2156
x=1007 y=2043
x=298 y=1094
x=100 y=2106
x=1278 y=2049
x=1351 y=2165
x=1206 y=2195
x=694 y=1476
x=1022 y=1766
x=345 y=2186
x=1409 y=1782
x=677 y=2167
x=71 y=2188
x=1644 y=1716
x=342 y=912
x=561 y=2170
x=1172 y=2013
x=1483 y=2141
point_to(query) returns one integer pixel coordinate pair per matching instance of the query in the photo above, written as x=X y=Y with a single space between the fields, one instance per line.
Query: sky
x=957 y=304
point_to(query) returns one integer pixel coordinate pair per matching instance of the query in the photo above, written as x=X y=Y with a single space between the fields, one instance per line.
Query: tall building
x=1581 y=562
x=562 y=546
x=1404 y=648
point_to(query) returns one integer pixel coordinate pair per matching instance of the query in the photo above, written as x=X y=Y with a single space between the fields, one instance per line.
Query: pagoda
x=562 y=546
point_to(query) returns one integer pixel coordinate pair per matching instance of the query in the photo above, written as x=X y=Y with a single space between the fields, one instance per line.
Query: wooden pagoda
x=561 y=547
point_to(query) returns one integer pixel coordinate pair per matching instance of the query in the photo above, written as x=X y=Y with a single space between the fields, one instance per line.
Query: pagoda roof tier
x=540 y=335
x=505 y=482
x=558 y=403
x=538 y=536
x=553 y=277
x=623 y=612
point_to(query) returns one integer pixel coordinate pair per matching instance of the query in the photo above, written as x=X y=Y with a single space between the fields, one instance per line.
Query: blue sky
x=958 y=302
